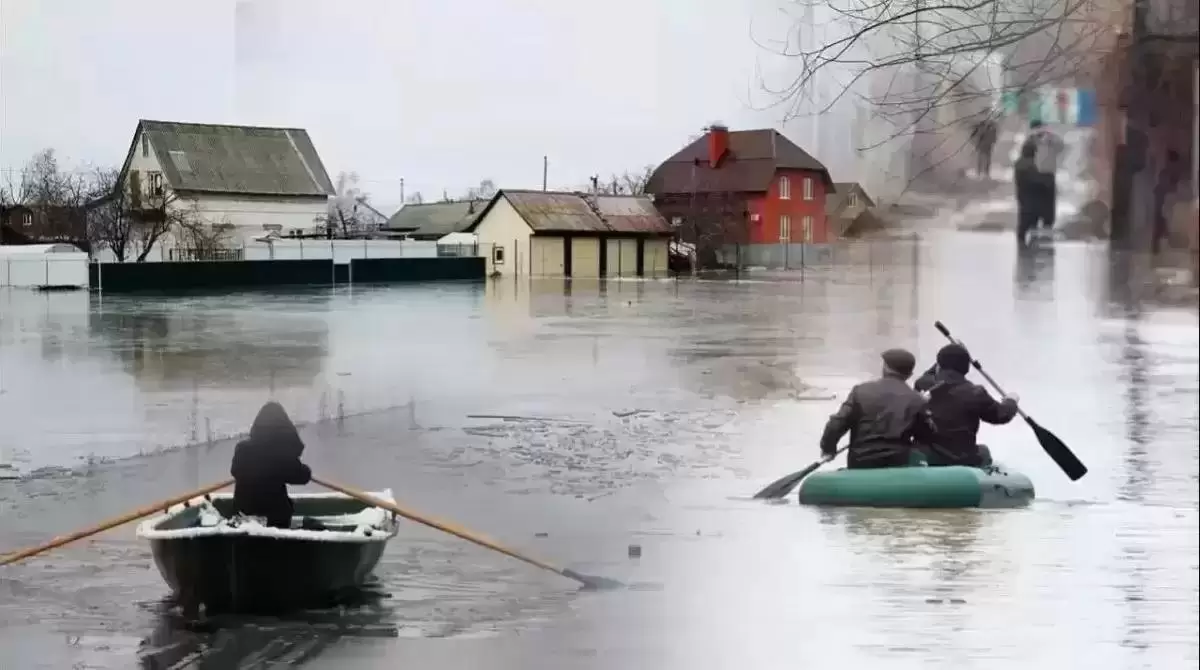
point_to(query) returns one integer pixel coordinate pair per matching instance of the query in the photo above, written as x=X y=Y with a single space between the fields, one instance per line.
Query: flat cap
x=900 y=361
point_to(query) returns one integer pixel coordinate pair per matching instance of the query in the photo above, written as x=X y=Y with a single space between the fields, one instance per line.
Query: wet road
x=647 y=410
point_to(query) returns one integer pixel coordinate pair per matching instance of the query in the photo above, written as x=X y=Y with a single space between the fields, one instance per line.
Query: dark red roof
x=748 y=166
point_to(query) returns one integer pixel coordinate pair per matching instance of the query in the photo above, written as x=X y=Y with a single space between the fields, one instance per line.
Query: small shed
x=43 y=266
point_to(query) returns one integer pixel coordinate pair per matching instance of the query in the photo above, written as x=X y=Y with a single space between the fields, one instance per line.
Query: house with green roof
x=245 y=181
x=434 y=220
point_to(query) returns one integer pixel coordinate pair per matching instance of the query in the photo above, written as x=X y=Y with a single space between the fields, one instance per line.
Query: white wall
x=341 y=251
x=504 y=228
x=38 y=270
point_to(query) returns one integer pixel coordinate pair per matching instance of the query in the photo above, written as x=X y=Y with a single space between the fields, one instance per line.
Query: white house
x=249 y=180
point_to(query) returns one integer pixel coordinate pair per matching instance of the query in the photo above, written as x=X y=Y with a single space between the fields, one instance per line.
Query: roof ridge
x=221 y=125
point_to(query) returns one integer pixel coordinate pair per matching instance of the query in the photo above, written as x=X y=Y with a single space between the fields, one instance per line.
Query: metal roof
x=561 y=212
x=244 y=160
x=749 y=165
x=436 y=218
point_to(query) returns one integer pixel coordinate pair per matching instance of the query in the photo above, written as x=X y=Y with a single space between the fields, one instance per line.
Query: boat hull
x=919 y=487
x=250 y=568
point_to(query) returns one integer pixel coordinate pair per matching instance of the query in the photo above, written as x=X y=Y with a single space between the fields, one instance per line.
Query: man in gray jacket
x=883 y=417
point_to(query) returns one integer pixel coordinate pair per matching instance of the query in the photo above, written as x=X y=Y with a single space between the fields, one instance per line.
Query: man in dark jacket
x=1030 y=200
x=883 y=417
x=957 y=406
x=265 y=463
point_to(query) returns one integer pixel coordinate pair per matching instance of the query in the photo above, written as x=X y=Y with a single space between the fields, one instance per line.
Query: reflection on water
x=178 y=345
x=1033 y=275
x=227 y=642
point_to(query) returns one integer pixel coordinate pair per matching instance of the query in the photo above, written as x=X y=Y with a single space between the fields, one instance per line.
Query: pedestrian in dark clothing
x=957 y=407
x=1029 y=193
x=1047 y=148
x=984 y=134
x=265 y=463
x=883 y=417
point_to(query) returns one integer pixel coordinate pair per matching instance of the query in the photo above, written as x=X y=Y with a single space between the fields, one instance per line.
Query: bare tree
x=626 y=183
x=415 y=199
x=347 y=212
x=924 y=67
x=55 y=199
x=201 y=240
x=110 y=222
x=485 y=191
x=130 y=223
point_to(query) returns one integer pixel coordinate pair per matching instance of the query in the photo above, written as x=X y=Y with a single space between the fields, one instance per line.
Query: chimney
x=718 y=143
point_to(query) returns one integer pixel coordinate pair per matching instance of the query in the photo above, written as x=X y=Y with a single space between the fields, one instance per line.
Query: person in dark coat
x=883 y=417
x=1030 y=199
x=265 y=463
x=984 y=134
x=958 y=406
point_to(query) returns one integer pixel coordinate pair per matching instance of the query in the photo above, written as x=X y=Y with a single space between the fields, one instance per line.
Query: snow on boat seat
x=341 y=519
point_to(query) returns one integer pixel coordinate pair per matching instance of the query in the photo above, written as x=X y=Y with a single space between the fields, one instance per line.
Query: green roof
x=242 y=160
x=436 y=218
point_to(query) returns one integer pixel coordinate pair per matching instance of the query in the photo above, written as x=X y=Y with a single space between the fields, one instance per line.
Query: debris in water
x=509 y=417
x=541 y=534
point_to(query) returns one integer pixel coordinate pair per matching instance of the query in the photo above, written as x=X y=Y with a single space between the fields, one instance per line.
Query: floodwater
x=574 y=424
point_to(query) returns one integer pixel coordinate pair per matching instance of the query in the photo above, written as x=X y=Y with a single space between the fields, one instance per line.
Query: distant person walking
x=984 y=135
x=1047 y=148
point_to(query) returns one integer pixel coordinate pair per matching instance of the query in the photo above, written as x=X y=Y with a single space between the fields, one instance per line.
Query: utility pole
x=402 y=201
x=545 y=171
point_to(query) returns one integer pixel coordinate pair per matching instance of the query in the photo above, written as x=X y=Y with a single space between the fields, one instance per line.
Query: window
x=27 y=219
x=676 y=221
x=808 y=188
x=155 y=182
x=145 y=145
x=853 y=199
x=785 y=228
x=807 y=224
x=497 y=255
x=785 y=188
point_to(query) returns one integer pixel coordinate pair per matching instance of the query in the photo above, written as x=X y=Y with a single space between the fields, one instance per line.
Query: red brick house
x=745 y=187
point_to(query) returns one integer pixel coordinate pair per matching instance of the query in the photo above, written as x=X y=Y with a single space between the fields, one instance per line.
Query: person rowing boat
x=958 y=406
x=265 y=463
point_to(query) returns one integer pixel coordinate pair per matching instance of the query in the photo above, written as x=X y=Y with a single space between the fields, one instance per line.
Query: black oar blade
x=783 y=486
x=592 y=582
x=1059 y=452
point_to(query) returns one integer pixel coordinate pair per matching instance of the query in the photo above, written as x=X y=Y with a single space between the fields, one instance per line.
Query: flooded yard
x=576 y=421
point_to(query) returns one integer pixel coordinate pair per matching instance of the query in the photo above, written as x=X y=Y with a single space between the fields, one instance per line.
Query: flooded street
x=574 y=424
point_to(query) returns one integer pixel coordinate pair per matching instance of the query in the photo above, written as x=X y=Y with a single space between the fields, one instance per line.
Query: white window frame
x=853 y=199
x=498 y=255
x=785 y=188
x=808 y=188
x=807 y=225
x=154 y=183
x=785 y=228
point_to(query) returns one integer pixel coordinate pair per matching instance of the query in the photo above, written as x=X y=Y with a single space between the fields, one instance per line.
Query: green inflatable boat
x=955 y=486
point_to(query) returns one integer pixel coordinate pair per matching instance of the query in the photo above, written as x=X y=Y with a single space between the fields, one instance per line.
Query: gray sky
x=440 y=92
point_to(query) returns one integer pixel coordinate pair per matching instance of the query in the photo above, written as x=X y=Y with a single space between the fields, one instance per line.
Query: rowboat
x=955 y=486
x=210 y=556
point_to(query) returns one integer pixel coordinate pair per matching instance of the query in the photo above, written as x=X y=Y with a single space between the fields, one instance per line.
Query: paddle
x=111 y=523
x=446 y=527
x=1054 y=447
x=784 y=485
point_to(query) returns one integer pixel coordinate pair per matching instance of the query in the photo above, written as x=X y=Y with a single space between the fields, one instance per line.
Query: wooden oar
x=1058 y=451
x=784 y=485
x=111 y=523
x=590 y=582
